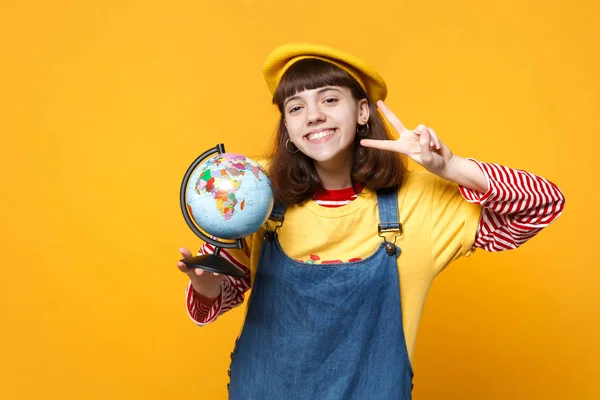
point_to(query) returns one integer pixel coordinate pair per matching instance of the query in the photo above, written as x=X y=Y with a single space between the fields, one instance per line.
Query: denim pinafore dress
x=324 y=332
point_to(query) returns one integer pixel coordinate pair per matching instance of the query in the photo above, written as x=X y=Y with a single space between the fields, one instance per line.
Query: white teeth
x=320 y=135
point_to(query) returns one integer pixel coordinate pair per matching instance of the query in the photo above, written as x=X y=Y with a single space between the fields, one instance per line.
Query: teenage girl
x=339 y=283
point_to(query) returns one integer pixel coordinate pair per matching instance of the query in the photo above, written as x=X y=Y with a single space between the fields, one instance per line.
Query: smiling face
x=321 y=105
x=322 y=122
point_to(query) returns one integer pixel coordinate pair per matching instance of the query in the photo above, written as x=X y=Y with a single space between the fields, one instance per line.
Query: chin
x=326 y=158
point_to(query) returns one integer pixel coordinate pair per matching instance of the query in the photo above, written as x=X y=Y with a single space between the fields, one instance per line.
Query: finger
x=420 y=130
x=388 y=145
x=200 y=272
x=390 y=116
x=185 y=269
x=182 y=267
x=436 y=139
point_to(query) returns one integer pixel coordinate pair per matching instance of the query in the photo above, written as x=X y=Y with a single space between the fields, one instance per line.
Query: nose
x=314 y=114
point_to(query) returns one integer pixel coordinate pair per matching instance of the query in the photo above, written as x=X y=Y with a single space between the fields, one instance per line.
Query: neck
x=334 y=174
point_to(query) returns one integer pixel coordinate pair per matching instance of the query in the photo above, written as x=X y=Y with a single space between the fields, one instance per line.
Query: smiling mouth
x=320 y=135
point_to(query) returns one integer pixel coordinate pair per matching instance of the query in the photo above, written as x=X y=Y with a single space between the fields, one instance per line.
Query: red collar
x=339 y=194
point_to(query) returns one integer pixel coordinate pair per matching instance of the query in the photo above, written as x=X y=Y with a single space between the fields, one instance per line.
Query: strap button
x=269 y=236
x=390 y=248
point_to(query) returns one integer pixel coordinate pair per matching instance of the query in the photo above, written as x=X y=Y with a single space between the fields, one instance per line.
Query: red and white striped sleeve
x=516 y=207
x=202 y=310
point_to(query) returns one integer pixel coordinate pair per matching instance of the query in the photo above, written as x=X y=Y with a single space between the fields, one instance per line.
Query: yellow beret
x=284 y=56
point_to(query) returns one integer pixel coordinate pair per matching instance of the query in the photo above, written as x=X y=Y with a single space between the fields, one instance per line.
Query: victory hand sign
x=422 y=144
x=424 y=147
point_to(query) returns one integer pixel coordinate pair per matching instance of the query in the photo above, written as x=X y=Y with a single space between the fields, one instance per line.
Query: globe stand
x=214 y=263
x=208 y=262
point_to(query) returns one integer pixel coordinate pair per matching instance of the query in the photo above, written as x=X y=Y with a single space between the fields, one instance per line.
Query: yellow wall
x=103 y=105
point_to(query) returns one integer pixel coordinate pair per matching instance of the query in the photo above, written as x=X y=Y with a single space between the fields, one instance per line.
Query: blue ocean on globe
x=229 y=196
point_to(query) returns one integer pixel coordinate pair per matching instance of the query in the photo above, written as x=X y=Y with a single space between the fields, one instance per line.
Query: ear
x=363 y=111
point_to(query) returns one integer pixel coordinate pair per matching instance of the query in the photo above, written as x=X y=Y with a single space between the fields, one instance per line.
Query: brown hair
x=293 y=175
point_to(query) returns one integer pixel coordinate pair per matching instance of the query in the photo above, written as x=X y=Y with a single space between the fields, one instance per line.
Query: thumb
x=424 y=139
x=185 y=252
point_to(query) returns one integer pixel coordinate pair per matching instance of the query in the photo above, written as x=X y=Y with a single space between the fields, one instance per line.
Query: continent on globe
x=222 y=178
x=221 y=187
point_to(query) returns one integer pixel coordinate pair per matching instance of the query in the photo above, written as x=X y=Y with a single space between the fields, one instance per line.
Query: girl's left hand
x=422 y=144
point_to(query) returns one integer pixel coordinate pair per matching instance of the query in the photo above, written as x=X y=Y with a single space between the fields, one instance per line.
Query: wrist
x=208 y=292
x=465 y=173
x=448 y=172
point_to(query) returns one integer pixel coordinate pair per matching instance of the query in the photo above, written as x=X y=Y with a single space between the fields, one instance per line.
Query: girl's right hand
x=205 y=283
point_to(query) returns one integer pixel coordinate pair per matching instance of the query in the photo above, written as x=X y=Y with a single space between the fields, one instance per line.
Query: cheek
x=350 y=123
x=293 y=130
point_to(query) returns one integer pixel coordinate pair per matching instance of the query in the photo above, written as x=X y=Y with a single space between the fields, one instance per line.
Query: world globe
x=229 y=196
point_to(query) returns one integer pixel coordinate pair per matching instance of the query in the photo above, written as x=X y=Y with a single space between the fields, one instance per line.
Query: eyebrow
x=325 y=89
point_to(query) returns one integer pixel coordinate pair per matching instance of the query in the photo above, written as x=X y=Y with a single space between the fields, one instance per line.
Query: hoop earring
x=362 y=132
x=288 y=149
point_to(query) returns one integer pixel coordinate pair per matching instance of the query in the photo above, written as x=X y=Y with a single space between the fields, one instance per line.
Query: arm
x=517 y=205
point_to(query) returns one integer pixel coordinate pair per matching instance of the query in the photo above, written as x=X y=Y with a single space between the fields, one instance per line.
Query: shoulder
x=421 y=181
x=426 y=188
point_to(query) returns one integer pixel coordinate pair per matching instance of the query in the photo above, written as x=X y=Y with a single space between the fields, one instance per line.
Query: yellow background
x=104 y=104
